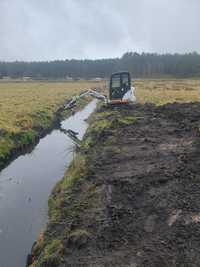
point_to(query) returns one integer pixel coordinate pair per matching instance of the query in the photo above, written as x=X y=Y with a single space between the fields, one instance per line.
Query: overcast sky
x=60 y=29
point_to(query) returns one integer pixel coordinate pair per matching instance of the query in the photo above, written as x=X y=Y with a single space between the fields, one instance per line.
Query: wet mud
x=138 y=203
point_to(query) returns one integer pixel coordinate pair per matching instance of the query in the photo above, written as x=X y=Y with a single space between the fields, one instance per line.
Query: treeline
x=145 y=65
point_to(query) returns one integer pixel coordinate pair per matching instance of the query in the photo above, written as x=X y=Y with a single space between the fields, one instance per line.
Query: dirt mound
x=139 y=203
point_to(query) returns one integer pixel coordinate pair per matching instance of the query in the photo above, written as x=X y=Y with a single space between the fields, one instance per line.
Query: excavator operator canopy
x=120 y=87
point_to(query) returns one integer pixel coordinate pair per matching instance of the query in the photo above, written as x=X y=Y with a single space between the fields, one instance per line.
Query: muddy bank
x=25 y=141
x=131 y=197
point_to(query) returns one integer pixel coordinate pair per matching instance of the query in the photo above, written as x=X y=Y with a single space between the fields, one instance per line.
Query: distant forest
x=145 y=65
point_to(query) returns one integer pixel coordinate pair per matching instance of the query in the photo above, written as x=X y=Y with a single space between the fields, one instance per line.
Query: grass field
x=27 y=107
x=161 y=92
x=23 y=103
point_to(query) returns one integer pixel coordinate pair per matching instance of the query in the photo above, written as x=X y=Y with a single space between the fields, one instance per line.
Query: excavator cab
x=120 y=90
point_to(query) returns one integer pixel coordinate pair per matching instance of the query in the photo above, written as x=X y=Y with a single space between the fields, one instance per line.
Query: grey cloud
x=59 y=29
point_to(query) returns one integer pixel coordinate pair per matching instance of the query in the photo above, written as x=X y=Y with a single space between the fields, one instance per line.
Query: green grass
x=49 y=249
x=108 y=120
x=75 y=172
x=51 y=254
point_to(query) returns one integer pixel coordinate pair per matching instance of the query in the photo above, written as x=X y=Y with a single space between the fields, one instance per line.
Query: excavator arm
x=72 y=103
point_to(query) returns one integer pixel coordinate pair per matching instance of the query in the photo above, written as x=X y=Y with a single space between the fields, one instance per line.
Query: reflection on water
x=25 y=186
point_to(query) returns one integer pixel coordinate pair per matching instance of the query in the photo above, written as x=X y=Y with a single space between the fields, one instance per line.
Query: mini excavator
x=120 y=92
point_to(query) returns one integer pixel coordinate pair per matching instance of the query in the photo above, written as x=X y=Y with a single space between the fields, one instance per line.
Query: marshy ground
x=131 y=197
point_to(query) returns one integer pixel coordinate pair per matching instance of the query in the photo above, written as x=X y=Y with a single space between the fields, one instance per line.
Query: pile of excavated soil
x=145 y=175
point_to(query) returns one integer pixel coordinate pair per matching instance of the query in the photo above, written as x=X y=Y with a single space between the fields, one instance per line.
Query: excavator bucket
x=120 y=91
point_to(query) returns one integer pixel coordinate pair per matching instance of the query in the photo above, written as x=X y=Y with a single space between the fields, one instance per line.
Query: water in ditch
x=25 y=186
